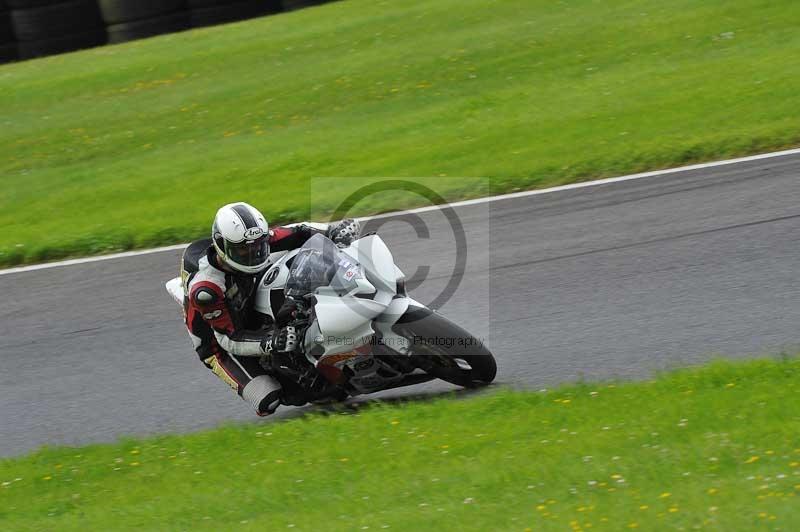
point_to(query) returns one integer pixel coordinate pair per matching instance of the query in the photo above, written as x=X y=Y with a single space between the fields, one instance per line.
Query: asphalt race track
x=613 y=280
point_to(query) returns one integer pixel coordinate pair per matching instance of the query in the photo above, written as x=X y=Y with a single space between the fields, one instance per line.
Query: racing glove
x=345 y=232
x=284 y=340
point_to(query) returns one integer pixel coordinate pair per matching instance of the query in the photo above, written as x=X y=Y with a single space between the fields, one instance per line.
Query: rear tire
x=438 y=344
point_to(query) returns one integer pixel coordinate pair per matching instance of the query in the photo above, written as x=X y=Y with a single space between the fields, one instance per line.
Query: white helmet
x=241 y=237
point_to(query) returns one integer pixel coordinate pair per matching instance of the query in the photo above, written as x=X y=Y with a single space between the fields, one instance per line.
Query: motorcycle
x=355 y=330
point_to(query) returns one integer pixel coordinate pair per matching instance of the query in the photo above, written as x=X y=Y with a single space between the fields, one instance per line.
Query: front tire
x=443 y=349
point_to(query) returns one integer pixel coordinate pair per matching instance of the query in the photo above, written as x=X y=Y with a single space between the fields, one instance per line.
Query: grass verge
x=136 y=145
x=716 y=446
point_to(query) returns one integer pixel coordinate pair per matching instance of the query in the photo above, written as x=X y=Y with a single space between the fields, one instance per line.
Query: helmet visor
x=248 y=253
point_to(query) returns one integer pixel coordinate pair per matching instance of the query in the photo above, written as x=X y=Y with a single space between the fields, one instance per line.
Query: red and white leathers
x=228 y=334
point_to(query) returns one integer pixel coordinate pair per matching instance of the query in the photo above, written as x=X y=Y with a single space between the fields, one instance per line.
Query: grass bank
x=136 y=145
x=716 y=446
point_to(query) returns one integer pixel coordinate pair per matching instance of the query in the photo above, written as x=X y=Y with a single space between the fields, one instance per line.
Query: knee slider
x=264 y=394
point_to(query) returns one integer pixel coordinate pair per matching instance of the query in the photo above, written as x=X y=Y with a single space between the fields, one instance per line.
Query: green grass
x=136 y=145
x=716 y=447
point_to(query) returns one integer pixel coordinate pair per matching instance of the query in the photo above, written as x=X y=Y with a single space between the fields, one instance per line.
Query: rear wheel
x=443 y=349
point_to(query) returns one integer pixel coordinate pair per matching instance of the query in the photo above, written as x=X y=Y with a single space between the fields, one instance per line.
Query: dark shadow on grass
x=354 y=405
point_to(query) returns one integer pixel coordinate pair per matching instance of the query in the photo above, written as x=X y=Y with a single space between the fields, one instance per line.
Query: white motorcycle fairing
x=347 y=317
x=346 y=320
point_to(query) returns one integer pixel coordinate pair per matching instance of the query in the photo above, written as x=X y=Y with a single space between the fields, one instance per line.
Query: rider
x=220 y=276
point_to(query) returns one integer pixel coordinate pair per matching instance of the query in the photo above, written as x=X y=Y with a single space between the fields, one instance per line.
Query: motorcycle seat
x=193 y=254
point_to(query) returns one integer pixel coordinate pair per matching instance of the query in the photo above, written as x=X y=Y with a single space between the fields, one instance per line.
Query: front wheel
x=443 y=349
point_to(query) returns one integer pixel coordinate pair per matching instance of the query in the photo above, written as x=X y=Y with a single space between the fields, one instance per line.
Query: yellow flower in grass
x=752 y=459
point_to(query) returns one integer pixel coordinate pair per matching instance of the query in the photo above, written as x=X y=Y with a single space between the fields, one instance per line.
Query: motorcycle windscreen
x=320 y=263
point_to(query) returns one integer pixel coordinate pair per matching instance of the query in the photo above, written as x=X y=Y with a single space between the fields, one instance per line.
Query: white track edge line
x=585 y=184
x=84 y=260
x=464 y=203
